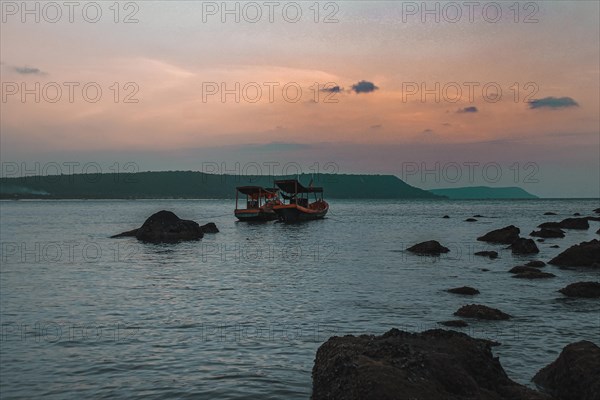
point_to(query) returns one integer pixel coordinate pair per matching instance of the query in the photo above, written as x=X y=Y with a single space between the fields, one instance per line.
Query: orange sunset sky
x=360 y=74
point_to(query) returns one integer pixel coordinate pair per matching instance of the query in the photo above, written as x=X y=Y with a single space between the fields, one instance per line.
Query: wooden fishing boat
x=299 y=207
x=259 y=203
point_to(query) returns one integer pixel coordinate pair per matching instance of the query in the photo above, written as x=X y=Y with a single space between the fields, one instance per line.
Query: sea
x=241 y=313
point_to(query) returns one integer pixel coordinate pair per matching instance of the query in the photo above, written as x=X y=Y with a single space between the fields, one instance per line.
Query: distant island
x=484 y=192
x=197 y=185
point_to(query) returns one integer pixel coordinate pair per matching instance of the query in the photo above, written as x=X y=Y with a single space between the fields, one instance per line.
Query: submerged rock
x=478 y=216
x=446 y=216
x=582 y=289
x=520 y=269
x=548 y=233
x=585 y=254
x=554 y=246
x=470 y=220
x=490 y=254
x=431 y=247
x=433 y=365
x=481 y=312
x=165 y=226
x=550 y=213
x=464 y=290
x=535 y=274
x=574 y=374
x=524 y=246
x=506 y=235
x=455 y=323
x=536 y=264
x=576 y=214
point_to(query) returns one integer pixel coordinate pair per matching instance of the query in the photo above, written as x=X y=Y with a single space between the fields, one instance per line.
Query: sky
x=441 y=94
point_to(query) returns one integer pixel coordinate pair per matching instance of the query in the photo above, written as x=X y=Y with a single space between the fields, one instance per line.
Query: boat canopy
x=255 y=190
x=293 y=186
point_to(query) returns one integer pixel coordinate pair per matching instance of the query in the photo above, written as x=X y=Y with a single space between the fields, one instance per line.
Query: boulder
x=481 y=312
x=582 y=289
x=165 y=226
x=470 y=220
x=210 y=228
x=431 y=247
x=432 y=365
x=536 y=264
x=548 y=233
x=550 y=225
x=506 y=235
x=524 y=246
x=535 y=274
x=585 y=254
x=574 y=375
x=490 y=254
x=520 y=269
x=574 y=223
x=464 y=290
x=455 y=323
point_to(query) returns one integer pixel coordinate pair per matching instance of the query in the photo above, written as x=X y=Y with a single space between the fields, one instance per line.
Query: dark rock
x=455 y=323
x=484 y=269
x=470 y=220
x=554 y=246
x=540 y=240
x=210 y=228
x=595 y=219
x=490 y=254
x=574 y=223
x=585 y=254
x=548 y=233
x=582 y=289
x=478 y=216
x=464 y=290
x=446 y=216
x=574 y=374
x=506 y=235
x=520 y=269
x=165 y=226
x=549 y=225
x=576 y=215
x=536 y=274
x=125 y=234
x=431 y=247
x=549 y=213
x=524 y=246
x=536 y=264
x=597 y=210
x=598 y=232
x=481 y=312
x=432 y=365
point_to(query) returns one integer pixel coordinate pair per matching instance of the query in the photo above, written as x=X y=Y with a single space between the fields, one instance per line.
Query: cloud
x=427 y=132
x=335 y=89
x=364 y=87
x=553 y=102
x=471 y=109
x=28 y=71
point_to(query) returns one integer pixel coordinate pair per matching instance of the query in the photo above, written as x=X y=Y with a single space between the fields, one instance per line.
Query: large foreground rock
x=165 y=226
x=585 y=254
x=433 y=365
x=582 y=289
x=481 y=312
x=431 y=247
x=574 y=375
x=524 y=246
x=506 y=235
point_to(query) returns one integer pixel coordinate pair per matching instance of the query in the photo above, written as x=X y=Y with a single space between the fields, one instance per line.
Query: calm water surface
x=240 y=314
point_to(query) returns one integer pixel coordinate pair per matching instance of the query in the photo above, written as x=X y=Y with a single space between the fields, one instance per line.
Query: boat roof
x=250 y=190
x=293 y=186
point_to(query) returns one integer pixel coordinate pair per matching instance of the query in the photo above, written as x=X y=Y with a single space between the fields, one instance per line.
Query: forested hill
x=189 y=184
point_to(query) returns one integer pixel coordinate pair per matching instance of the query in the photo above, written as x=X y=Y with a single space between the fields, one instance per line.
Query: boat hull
x=294 y=213
x=255 y=215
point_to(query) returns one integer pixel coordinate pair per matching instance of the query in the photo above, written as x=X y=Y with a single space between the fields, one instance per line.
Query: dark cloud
x=334 y=89
x=28 y=71
x=471 y=109
x=553 y=102
x=378 y=126
x=364 y=87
